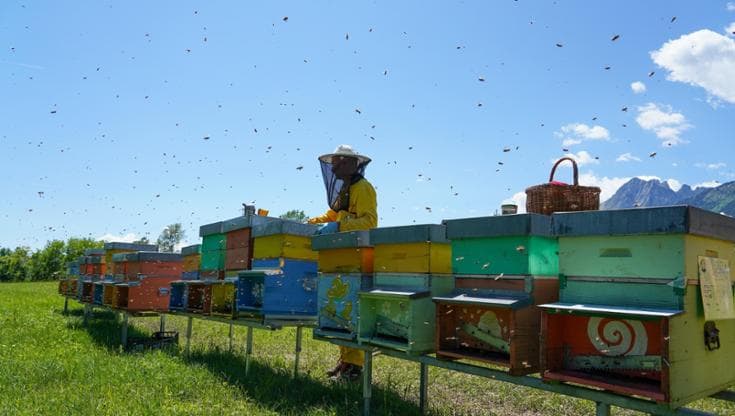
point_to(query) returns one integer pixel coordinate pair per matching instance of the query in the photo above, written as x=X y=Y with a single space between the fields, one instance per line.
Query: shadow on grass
x=104 y=328
x=276 y=389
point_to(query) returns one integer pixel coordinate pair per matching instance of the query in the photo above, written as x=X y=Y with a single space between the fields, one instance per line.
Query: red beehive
x=146 y=294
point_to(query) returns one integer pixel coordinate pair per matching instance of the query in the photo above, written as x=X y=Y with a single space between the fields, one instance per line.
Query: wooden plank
x=499 y=226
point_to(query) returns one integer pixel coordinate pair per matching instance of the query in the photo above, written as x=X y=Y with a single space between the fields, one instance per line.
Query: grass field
x=51 y=364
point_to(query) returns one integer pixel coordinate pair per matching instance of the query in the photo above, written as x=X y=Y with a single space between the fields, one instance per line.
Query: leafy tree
x=294 y=215
x=14 y=264
x=75 y=247
x=48 y=263
x=170 y=237
x=142 y=240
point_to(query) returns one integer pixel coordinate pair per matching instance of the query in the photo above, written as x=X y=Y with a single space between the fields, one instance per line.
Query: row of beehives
x=638 y=302
x=629 y=298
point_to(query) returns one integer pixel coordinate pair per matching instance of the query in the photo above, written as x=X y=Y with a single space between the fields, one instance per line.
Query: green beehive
x=509 y=244
x=214 y=244
x=639 y=313
x=399 y=313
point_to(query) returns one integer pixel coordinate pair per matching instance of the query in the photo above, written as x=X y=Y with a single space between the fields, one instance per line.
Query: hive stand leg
x=66 y=305
x=423 y=388
x=189 y=322
x=298 y=352
x=603 y=409
x=163 y=323
x=86 y=314
x=248 y=350
x=124 y=334
x=367 y=382
x=232 y=331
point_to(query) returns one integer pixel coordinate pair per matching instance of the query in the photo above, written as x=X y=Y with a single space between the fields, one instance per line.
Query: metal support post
x=367 y=382
x=298 y=352
x=248 y=350
x=603 y=409
x=86 y=314
x=232 y=331
x=163 y=323
x=124 y=334
x=423 y=388
x=66 y=305
x=189 y=322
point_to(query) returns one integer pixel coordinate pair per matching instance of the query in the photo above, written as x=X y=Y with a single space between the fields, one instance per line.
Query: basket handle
x=574 y=166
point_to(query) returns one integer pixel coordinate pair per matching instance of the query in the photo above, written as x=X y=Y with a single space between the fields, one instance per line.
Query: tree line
x=50 y=262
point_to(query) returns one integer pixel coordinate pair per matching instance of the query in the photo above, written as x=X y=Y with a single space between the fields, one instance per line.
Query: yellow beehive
x=429 y=257
x=283 y=245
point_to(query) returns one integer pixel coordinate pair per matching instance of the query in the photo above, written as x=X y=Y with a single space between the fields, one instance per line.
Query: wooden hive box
x=213 y=247
x=278 y=289
x=191 y=256
x=519 y=244
x=71 y=288
x=346 y=252
x=98 y=291
x=504 y=267
x=339 y=303
x=146 y=294
x=494 y=321
x=153 y=264
x=179 y=296
x=211 y=297
x=112 y=248
x=283 y=239
x=631 y=319
x=63 y=284
x=398 y=312
x=108 y=289
x=411 y=249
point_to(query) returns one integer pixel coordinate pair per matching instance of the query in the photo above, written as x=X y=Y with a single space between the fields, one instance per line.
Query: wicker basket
x=556 y=197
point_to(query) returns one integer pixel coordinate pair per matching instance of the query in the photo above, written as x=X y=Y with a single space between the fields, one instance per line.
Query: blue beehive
x=339 y=301
x=179 y=296
x=281 y=289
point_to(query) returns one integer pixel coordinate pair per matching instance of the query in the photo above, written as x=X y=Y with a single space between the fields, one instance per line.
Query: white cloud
x=730 y=29
x=582 y=158
x=519 y=199
x=664 y=122
x=638 y=87
x=125 y=238
x=576 y=133
x=711 y=166
x=608 y=186
x=730 y=6
x=627 y=157
x=703 y=58
x=708 y=184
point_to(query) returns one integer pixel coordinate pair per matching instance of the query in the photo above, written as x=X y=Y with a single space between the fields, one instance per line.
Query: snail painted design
x=617 y=337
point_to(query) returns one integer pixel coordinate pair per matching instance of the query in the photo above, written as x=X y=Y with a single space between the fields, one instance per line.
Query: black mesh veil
x=337 y=193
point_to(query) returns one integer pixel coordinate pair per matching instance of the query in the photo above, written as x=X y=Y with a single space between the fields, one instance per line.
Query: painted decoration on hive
x=616 y=337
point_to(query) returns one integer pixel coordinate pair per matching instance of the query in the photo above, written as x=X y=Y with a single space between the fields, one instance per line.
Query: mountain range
x=650 y=193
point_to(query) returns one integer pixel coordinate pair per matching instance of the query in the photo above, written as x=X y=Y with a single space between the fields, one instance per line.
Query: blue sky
x=119 y=118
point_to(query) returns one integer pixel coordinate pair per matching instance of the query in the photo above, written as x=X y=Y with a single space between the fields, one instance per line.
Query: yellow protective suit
x=362 y=215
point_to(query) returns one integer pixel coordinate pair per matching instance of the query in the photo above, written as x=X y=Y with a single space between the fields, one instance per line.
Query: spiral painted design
x=616 y=337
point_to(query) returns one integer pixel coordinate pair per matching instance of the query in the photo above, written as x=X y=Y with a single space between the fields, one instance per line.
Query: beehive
x=108 y=289
x=398 y=313
x=631 y=317
x=284 y=289
x=191 y=257
x=213 y=247
x=346 y=252
x=112 y=248
x=504 y=267
x=152 y=264
x=148 y=279
x=210 y=297
x=178 y=300
x=411 y=249
x=283 y=239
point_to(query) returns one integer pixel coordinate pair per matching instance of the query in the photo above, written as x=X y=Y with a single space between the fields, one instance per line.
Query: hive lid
x=349 y=239
x=511 y=302
x=408 y=293
x=280 y=226
x=190 y=250
x=95 y=260
x=94 y=252
x=499 y=226
x=209 y=229
x=130 y=246
x=245 y=221
x=140 y=256
x=422 y=233
x=590 y=309
x=680 y=219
